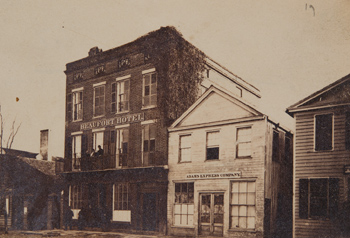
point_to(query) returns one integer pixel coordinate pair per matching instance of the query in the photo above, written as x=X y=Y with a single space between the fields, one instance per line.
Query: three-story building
x=119 y=105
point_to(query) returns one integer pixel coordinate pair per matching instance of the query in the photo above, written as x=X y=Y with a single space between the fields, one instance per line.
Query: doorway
x=211 y=214
x=149 y=215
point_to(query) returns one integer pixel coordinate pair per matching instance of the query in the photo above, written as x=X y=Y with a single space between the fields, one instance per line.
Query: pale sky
x=288 y=49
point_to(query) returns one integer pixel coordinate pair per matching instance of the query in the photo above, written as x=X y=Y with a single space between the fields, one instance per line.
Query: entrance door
x=211 y=215
x=149 y=216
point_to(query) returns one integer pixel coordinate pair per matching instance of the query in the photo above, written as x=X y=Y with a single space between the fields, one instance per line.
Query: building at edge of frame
x=119 y=104
x=230 y=170
x=322 y=164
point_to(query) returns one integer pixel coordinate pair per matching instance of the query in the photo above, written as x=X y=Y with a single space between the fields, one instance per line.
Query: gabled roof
x=225 y=95
x=309 y=102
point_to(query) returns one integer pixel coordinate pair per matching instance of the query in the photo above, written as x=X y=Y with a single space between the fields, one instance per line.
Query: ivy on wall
x=180 y=68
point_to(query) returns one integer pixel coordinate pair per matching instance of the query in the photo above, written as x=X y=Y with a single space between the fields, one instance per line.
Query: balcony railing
x=89 y=163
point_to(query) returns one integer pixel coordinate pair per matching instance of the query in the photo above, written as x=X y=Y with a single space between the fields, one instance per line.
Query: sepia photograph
x=197 y=118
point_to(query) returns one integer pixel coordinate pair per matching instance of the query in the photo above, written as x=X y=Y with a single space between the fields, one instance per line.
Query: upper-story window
x=324 y=132
x=99 y=100
x=76 y=151
x=149 y=144
x=120 y=95
x=77 y=105
x=244 y=137
x=213 y=145
x=185 y=148
x=97 y=143
x=149 y=97
x=122 y=139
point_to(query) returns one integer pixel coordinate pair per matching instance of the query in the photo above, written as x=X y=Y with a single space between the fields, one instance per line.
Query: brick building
x=322 y=149
x=230 y=170
x=123 y=100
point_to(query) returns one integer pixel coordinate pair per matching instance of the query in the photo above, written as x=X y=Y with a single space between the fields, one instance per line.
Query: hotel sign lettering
x=113 y=121
x=221 y=175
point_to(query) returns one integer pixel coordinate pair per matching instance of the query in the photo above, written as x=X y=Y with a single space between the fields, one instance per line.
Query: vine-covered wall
x=180 y=68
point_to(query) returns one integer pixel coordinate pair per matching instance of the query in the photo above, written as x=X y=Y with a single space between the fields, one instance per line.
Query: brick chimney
x=44 y=143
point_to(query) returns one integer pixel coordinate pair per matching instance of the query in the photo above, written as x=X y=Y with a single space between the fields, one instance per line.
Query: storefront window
x=121 y=210
x=184 y=204
x=243 y=204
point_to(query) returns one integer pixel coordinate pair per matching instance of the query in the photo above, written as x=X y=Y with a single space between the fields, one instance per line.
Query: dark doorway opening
x=149 y=216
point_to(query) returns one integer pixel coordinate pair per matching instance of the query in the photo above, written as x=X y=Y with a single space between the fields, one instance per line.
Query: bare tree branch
x=13 y=135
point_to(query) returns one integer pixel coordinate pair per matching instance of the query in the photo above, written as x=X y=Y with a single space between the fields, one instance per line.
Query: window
x=185 y=148
x=318 y=198
x=244 y=137
x=243 y=204
x=99 y=100
x=76 y=151
x=347 y=131
x=149 y=144
x=149 y=97
x=97 y=139
x=184 y=204
x=122 y=139
x=76 y=200
x=323 y=132
x=213 y=145
x=77 y=105
x=120 y=96
x=121 y=203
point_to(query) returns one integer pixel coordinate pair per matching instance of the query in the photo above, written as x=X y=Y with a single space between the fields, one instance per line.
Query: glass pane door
x=211 y=215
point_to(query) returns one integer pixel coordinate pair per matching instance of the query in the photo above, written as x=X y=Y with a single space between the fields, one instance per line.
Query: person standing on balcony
x=100 y=151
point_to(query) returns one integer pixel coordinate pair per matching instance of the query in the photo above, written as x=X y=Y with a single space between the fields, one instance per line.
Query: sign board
x=221 y=175
x=130 y=118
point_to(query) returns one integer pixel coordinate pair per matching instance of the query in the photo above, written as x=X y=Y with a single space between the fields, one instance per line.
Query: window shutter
x=69 y=107
x=303 y=198
x=68 y=160
x=333 y=197
x=84 y=145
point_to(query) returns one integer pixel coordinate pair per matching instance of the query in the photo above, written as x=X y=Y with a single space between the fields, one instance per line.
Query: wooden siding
x=319 y=164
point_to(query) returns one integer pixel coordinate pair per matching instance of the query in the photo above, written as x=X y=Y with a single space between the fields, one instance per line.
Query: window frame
x=123 y=212
x=74 y=150
x=212 y=146
x=101 y=105
x=185 y=148
x=76 y=200
x=119 y=145
x=151 y=93
x=246 y=204
x=190 y=202
x=347 y=130
x=77 y=113
x=149 y=151
x=315 y=133
x=238 y=142
x=306 y=196
x=94 y=136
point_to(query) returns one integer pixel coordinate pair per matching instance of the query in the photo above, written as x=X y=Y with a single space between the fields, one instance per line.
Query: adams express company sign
x=221 y=175
x=113 y=121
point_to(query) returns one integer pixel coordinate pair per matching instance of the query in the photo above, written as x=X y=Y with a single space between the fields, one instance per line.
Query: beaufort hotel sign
x=131 y=118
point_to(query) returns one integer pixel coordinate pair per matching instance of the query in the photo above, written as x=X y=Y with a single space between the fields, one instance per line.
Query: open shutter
x=303 y=198
x=333 y=197
x=68 y=159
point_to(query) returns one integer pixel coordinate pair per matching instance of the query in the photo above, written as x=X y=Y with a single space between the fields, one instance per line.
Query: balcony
x=118 y=161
